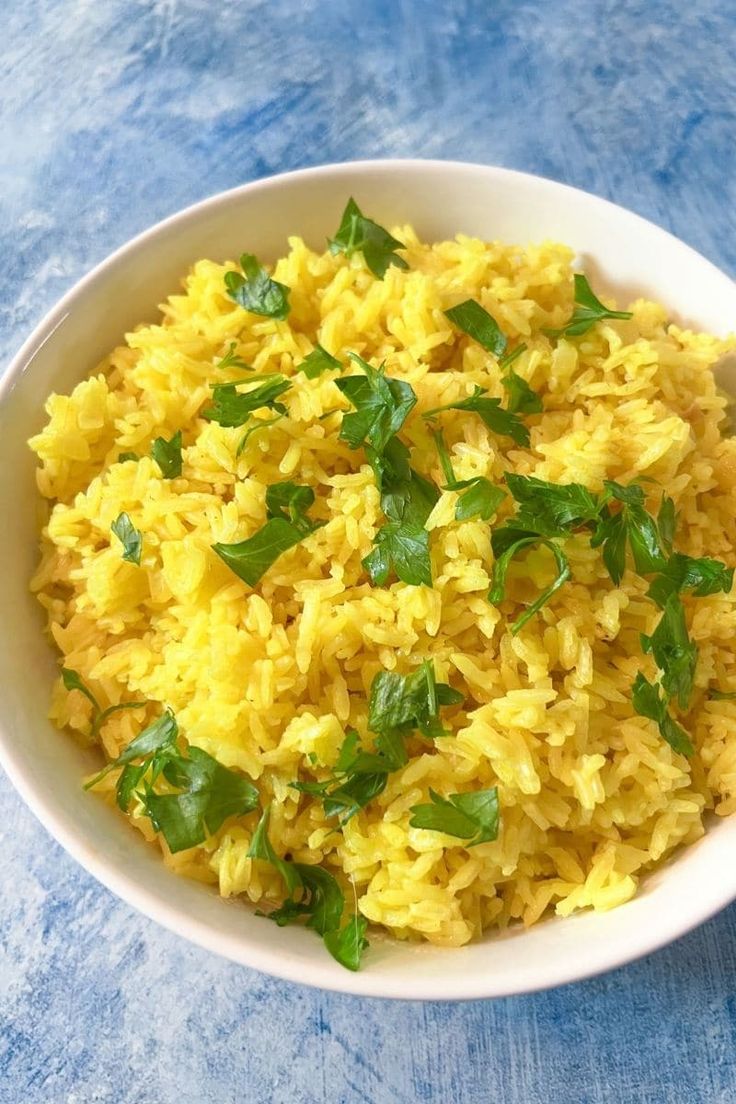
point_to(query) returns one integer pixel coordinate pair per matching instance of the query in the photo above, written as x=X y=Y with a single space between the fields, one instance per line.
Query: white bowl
x=626 y=255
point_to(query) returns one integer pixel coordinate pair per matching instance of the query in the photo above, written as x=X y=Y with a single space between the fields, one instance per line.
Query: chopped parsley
x=287 y=525
x=167 y=455
x=124 y=456
x=208 y=793
x=73 y=681
x=358 y=234
x=502 y=422
x=130 y=538
x=398 y=705
x=522 y=398
x=469 y=816
x=702 y=575
x=480 y=497
x=256 y=292
x=632 y=526
x=258 y=423
x=507 y=543
x=470 y=317
x=315 y=895
x=231 y=407
x=401 y=703
x=650 y=702
x=588 y=310
x=407 y=498
x=232 y=360
x=381 y=406
x=673 y=651
x=319 y=361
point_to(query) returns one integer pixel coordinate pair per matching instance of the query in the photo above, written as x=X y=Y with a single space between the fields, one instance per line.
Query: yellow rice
x=590 y=794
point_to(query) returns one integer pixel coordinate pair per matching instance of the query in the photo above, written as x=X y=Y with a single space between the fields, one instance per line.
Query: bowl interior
x=626 y=256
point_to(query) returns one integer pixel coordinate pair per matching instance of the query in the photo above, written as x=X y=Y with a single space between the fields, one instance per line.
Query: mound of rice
x=263 y=679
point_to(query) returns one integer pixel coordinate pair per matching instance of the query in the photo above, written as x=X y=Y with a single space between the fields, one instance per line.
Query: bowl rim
x=172 y=918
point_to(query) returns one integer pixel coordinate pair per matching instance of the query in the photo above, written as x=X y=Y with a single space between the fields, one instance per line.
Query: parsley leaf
x=348 y=943
x=649 y=702
x=72 y=681
x=251 y=558
x=480 y=499
x=666 y=523
x=287 y=525
x=255 y=291
x=722 y=695
x=403 y=548
x=167 y=455
x=405 y=702
x=587 y=312
x=290 y=501
x=522 y=398
x=232 y=360
x=551 y=509
x=156 y=737
x=507 y=543
x=130 y=538
x=381 y=406
x=633 y=524
x=357 y=233
x=319 y=361
x=470 y=317
x=470 y=816
x=500 y=421
x=231 y=407
x=124 y=456
x=321 y=900
x=210 y=793
x=701 y=575
x=673 y=651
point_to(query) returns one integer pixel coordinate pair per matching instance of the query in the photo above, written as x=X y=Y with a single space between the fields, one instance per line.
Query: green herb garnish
x=232 y=360
x=522 y=398
x=124 y=456
x=381 y=406
x=722 y=695
x=208 y=792
x=650 y=702
x=358 y=234
x=588 y=310
x=632 y=525
x=231 y=407
x=401 y=703
x=320 y=900
x=470 y=816
x=507 y=543
x=287 y=525
x=73 y=681
x=130 y=538
x=701 y=575
x=480 y=498
x=500 y=421
x=319 y=361
x=167 y=455
x=673 y=651
x=398 y=705
x=407 y=498
x=256 y=292
x=470 y=317
x=258 y=423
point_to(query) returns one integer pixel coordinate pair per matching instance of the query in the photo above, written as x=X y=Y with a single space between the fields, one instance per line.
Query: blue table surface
x=116 y=113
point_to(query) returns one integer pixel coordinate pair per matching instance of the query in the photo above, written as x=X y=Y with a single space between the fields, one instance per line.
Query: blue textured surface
x=115 y=113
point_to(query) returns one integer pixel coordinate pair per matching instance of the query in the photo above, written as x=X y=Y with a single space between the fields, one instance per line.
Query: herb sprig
x=130 y=538
x=480 y=497
x=315 y=895
x=358 y=234
x=473 y=817
x=256 y=291
x=74 y=681
x=287 y=525
x=588 y=310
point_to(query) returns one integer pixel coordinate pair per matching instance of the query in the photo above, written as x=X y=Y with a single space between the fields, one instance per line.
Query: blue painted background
x=114 y=113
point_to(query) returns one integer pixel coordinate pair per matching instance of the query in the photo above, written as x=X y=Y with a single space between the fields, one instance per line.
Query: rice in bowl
x=268 y=679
